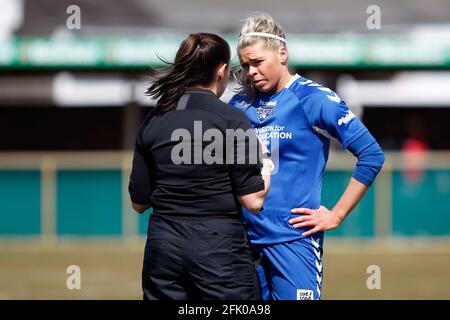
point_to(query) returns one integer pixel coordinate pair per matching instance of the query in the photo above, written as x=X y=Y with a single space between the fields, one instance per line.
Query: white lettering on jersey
x=267 y=103
x=346 y=118
x=305 y=294
x=265 y=109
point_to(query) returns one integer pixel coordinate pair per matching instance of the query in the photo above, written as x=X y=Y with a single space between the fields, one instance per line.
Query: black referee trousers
x=197 y=259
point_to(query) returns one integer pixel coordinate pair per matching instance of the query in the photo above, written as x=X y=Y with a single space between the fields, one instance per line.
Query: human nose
x=252 y=71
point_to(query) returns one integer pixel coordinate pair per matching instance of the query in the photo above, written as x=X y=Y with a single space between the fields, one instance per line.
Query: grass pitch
x=112 y=270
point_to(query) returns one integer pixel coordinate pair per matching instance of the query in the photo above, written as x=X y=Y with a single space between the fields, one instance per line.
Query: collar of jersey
x=294 y=78
x=198 y=90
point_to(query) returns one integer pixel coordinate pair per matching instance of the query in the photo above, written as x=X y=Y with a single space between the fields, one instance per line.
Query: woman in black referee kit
x=196 y=243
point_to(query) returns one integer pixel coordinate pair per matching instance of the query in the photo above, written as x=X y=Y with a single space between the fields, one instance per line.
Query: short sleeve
x=140 y=179
x=245 y=164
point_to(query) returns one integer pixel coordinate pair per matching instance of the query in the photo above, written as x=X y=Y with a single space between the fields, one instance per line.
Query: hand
x=321 y=219
x=268 y=165
x=263 y=147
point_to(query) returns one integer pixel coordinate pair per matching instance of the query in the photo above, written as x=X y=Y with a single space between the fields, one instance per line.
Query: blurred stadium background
x=71 y=100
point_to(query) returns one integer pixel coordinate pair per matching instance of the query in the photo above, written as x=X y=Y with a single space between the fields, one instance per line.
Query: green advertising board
x=305 y=51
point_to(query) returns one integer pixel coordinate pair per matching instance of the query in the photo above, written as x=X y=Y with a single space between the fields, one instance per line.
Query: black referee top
x=190 y=188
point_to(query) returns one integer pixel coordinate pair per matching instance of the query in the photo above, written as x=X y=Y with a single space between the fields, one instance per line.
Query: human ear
x=282 y=55
x=222 y=79
x=222 y=70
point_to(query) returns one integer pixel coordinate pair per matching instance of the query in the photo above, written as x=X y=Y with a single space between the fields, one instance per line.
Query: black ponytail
x=196 y=62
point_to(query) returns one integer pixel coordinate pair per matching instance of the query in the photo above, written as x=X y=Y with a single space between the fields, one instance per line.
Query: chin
x=265 y=88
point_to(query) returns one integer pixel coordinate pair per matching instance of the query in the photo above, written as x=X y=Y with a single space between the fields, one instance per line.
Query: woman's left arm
x=370 y=160
x=323 y=219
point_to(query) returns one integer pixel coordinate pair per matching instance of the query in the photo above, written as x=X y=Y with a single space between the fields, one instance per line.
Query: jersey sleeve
x=370 y=158
x=140 y=186
x=328 y=113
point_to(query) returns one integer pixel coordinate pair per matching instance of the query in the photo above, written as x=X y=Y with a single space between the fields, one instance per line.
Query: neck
x=284 y=80
x=212 y=87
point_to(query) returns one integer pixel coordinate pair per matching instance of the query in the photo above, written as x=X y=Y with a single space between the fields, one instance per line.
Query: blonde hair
x=261 y=23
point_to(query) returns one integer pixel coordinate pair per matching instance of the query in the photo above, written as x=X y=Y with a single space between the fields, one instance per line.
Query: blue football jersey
x=296 y=124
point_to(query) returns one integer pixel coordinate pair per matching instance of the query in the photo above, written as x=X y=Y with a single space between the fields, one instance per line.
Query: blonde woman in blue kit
x=296 y=117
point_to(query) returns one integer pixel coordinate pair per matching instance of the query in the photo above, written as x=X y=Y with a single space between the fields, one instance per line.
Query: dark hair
x=196 y=62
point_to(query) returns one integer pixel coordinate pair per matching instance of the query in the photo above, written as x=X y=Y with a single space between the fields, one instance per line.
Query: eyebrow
x=252 y=60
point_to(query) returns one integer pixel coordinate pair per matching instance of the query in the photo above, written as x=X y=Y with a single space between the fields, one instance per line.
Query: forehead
x=255 y=51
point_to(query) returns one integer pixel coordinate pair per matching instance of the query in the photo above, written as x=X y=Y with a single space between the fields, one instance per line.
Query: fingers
x=263 y=147
x=303 y=224
x=311 y=232
x=306 y=221
x=268 y=167
x=302 y=211
x=300 y=219
x=318 y=219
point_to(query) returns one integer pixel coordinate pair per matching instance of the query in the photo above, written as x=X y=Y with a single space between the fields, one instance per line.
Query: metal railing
x=49 y=163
